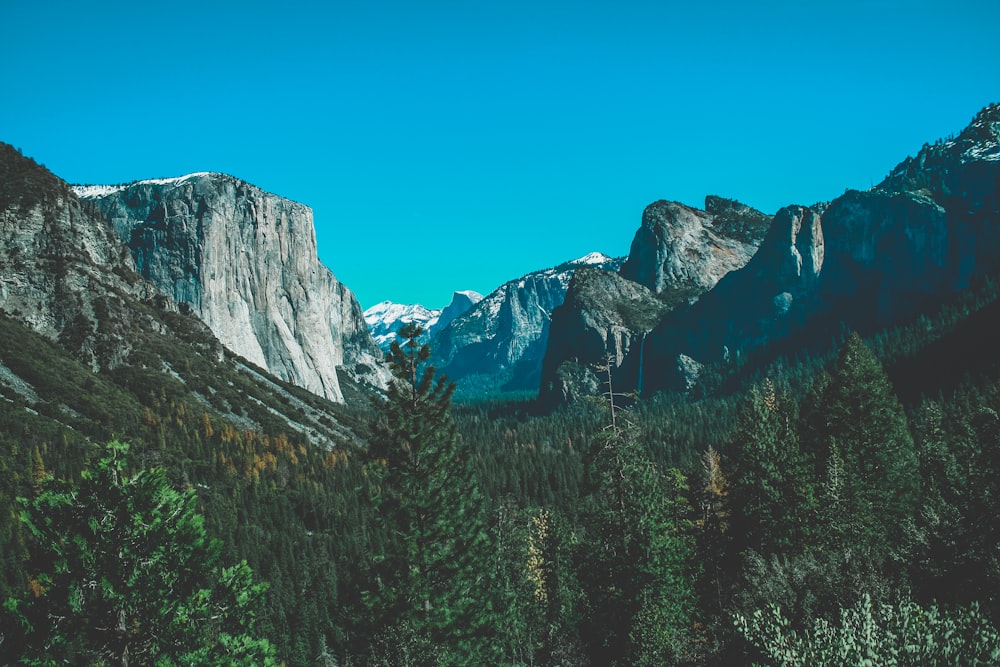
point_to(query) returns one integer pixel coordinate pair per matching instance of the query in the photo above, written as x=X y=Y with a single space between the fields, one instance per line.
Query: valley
x=754 y=433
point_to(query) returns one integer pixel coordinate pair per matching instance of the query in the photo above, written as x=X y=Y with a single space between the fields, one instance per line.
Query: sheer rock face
x=677 y=246
x=461 y=303
x=603 y=317
x=246 y=262
x=747 y=308
x=677 y=255
x=930 y=229
x=873 y=259
x=793 y=250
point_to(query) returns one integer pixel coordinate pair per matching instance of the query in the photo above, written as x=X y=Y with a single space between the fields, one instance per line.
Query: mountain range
x=865 y=261
x=493 y=344
x=385 y=319
x=699 y=287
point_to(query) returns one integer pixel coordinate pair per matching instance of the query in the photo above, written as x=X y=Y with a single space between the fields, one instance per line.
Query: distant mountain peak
x=385 y=319
x=592 y=258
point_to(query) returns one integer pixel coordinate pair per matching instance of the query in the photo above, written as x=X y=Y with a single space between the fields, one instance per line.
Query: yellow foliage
x=334 y=458
x=536 y=559
x=36 y=587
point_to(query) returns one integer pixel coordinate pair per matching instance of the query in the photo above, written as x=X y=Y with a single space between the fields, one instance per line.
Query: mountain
x=865 y=261
x=245 y=261
x=92 y=350
x=461 y=303
x=385 y=319
x=677 y=254
x=498 y=344
x=63 y=272
x=682 y=248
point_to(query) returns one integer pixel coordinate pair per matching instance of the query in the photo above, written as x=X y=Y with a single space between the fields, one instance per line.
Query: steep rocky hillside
x=91 y=345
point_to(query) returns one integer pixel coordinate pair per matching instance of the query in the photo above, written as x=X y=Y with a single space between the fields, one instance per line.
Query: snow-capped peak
x=592 y=258
x=387 y=311
x=387 y=318
x=95 y=191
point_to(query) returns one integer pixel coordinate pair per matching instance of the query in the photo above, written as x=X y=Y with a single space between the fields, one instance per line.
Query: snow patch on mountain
x=593 y=259
x=95 y=191
x=387 y=318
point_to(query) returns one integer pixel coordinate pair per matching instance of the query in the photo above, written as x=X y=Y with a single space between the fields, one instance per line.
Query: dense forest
x=830 y=510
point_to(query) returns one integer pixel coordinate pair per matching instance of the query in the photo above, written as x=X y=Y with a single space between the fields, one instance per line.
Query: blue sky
x=456 y=145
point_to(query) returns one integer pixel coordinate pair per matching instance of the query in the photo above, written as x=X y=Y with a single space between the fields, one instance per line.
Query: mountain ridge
x=386 y=318
x=866 y=260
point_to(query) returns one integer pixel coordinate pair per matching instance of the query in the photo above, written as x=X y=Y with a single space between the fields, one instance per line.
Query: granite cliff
x=94 y=350
x=678 y=254
x=682 y=248
x=245 y=262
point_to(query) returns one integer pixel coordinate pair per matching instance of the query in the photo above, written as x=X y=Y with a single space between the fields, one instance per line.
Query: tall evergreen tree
x=867 y=454
x=638 y=575
x=122 y=572
x=772 y=495
x=437 y=577
x=556 y=599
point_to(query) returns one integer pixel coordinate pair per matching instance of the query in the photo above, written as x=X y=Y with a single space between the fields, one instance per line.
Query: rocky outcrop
x=461 y=303
x=873 y=259
x=499 y=343
x=747 y=308
x=603 y=318
x=66 y=275
x=245 y=261
x=677 y=255
x=679 y=247
x=864 y=261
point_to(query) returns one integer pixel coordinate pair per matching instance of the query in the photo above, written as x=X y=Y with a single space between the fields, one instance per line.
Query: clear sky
x=456 y=145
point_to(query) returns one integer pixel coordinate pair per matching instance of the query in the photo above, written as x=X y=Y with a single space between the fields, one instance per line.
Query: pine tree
x=713 y=536
x=556 y=599
x=638 y=576
x=436 y=581
x=772 y=494
x=867 y=453
x=121 y=571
